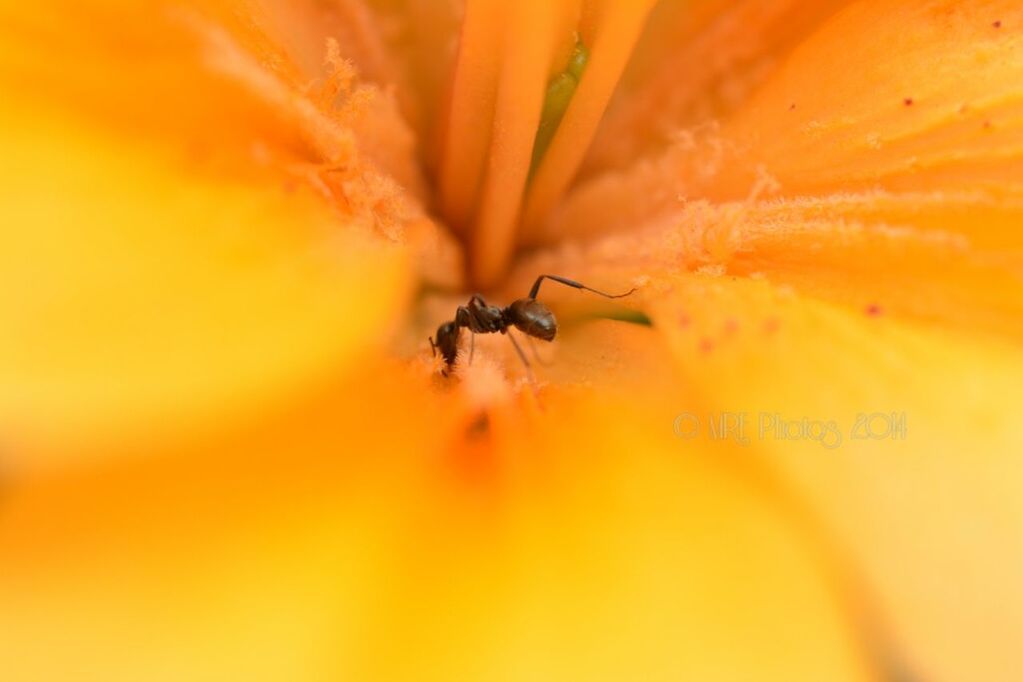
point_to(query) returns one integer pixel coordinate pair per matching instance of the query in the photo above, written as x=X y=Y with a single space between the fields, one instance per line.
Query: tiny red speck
x=997 y=24
x=792 y=107
x=908 y=101
x=873 y=310
x=706 y=345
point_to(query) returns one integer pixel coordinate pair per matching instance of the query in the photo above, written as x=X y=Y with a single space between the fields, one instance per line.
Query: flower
x=792 y=454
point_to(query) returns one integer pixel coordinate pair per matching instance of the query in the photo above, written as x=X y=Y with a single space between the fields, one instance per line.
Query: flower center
x=530 y=84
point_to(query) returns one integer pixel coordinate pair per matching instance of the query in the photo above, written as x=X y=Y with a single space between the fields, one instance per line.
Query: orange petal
x=927 y=98
x=904 y=97
x=948 y=259
x=422 y=36
x=698 y=61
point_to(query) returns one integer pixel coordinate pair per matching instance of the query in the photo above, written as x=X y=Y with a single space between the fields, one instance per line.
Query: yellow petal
x=145 y=297
x=904 y=439
x=257 y=552
x=164 y=264
x=519 y=546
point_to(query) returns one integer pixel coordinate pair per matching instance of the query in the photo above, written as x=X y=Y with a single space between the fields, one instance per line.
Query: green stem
x=559 y=95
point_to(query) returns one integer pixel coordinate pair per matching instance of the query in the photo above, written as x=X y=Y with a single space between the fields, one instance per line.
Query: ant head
x=533 y=318
x=447 y=342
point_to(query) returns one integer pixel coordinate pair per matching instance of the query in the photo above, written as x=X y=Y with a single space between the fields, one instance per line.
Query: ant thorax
x=480 y=318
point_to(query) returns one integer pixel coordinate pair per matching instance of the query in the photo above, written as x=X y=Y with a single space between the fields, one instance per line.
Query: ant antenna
x=572 y=283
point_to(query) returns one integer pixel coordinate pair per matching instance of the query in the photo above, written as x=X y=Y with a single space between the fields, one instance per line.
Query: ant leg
x=522 y=356
x=433 y=347
x=572 y=283
x=535 y=352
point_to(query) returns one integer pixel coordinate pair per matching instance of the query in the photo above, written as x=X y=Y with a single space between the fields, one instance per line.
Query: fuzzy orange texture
x=225 y=454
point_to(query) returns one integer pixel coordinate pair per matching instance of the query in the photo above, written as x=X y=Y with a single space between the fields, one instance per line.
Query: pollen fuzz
x=483 y=383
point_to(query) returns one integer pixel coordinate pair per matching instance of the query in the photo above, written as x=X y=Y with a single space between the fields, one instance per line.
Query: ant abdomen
x=533 y=319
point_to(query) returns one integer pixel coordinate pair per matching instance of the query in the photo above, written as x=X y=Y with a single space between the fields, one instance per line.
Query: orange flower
x=229 y=227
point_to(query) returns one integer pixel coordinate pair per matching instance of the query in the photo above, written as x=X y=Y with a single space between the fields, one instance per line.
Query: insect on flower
x=528 y=315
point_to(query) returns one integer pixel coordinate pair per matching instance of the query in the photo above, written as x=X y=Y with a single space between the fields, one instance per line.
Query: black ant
x=528 y=315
